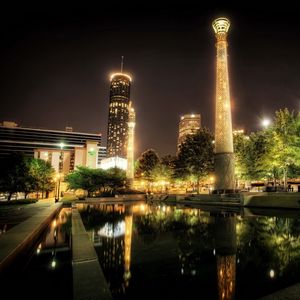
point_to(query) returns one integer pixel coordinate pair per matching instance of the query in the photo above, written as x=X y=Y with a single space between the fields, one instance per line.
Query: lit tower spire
x=224 y=160
x=122 y=63
x=130 y=145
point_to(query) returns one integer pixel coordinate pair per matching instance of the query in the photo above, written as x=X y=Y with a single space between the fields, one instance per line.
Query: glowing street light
x=266 y=122
x=57 y=190
x=272 y=273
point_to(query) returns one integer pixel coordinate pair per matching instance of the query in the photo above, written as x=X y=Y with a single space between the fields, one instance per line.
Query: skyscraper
x=224 y=160
x=188 y=124
x=118 y=115
x=130 y=145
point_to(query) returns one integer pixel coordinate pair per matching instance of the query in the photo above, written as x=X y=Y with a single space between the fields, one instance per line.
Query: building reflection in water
x=113 y=245
x=57 y=238
x=226 y=247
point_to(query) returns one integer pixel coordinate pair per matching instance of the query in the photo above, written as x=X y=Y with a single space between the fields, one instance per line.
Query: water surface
x=165 y=252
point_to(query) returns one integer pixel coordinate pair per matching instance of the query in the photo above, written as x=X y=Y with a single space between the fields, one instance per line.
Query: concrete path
x=88 y=279
x=290 y=293
x=12 y=215
x=22 y=236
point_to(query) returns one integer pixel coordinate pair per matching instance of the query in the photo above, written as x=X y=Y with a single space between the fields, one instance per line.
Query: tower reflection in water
x=226 y=247
x=112 y=242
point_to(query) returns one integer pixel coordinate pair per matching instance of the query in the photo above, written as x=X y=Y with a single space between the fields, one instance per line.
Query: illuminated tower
x=224 y=160
x=189 y=124
x=118 y=115
x=127 y=252
x=226 y=248
x=130 y=145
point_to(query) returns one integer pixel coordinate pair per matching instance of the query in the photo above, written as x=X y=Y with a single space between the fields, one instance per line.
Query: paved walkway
x=21 y=237
x=289 y=293
x=12 y=215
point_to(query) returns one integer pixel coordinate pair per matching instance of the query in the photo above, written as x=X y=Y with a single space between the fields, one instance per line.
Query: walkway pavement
x=289 y=293
x=21 y=236
x=12 y=215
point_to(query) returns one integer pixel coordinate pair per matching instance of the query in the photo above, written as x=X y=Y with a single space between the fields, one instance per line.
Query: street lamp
x=57 y=190
x=61 y=145
x=266 y=122
x=60 y=169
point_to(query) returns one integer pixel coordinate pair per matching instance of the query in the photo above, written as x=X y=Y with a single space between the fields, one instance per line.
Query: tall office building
x=118 y=116
x=189 y=124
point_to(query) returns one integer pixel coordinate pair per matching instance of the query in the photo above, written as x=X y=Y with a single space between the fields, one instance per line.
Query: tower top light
x=221 y=25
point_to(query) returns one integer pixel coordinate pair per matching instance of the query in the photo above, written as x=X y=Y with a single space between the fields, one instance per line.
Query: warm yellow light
x=266 y=122
x=119 y=74
x=221 y=25
x=272 y=273
x=54 y=223
x=53 y=264
x=46 y=154
x=192 y=116
x=182 y=117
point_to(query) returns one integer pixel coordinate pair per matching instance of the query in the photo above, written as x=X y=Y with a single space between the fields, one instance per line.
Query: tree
x=115 y=178
x=86 y=179
x=251 y=152
x=146 y=164
x=14 y=177
x=285 y=142
x=271 y=153
x=195 y=157
x=95 y=180
x=42 y=174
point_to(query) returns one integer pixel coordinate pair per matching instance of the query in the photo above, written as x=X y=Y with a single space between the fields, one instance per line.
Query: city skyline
x=56 y=67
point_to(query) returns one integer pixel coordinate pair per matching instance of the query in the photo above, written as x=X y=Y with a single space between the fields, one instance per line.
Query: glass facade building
x=118 y=115
x=73 y=148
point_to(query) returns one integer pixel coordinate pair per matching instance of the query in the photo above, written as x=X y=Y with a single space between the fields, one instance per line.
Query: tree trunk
x=9 y=196
x=198 y=185
x=285 y=178
x=25 y=195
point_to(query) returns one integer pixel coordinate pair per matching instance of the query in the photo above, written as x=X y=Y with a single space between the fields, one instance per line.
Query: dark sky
x=55 y=63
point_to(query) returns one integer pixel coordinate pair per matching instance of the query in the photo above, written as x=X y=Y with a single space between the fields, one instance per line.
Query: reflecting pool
x=45 y=272
x=165 y=252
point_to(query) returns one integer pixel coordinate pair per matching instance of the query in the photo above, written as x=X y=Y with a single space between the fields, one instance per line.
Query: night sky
x=56 y=61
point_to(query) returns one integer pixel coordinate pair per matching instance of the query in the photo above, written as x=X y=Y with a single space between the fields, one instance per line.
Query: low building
x=63 y=149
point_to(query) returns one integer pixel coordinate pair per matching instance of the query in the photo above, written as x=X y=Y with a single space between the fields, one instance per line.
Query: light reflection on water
x=47 y=269
x=161 y=251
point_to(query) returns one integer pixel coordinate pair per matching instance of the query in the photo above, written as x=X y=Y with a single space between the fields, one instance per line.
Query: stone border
x=88 y=279
x=21 y=237
x=289 y=293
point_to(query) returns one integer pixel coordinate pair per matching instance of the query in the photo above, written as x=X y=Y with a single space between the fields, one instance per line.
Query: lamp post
x=60 y=169
x=57 y=190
